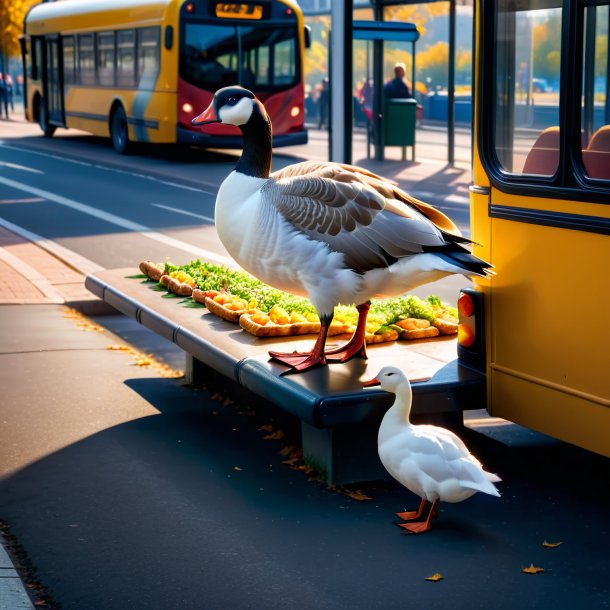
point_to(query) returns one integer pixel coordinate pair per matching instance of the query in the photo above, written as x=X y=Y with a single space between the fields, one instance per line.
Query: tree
x=12 y=13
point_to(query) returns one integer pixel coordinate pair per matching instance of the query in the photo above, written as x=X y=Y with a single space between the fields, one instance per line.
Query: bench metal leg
x=344 y=454
x=195 y=372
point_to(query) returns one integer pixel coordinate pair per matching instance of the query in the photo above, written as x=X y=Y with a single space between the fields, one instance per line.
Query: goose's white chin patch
x=238 y=114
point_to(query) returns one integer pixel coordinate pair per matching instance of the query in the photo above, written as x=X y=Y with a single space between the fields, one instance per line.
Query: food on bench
x=232 y=294
x=413 y=323
x=419 y=333
x=153 y=271
x=446 y=327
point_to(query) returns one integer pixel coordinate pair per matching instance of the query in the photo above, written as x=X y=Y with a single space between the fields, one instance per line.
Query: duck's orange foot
x=418 y=527
x=410 y=515
x=298 y=362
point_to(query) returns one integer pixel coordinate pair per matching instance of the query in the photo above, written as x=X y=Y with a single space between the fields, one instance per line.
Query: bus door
x=53 y=81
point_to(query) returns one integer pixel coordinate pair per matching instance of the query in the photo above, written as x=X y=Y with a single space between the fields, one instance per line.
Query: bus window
x=527 y=67
x=148 y=52
x=69 y=60
x=208 y=58
x=595 y=103
x=86 y=59
x=105 y=58
x=268 y=57
x=36 y=55
x=126 y=53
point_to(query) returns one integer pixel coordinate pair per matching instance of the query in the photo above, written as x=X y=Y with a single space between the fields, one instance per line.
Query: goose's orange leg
x=356 y=346
x=418 y=527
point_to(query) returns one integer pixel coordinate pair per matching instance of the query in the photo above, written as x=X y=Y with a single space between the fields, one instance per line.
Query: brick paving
x=30 y=275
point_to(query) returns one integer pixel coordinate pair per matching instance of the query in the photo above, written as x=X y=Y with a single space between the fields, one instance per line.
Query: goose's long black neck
x=256 y=157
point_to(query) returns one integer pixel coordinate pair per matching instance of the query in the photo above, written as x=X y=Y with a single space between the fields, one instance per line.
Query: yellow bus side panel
x=549 y=329
x=160 y=109
x=567 y=417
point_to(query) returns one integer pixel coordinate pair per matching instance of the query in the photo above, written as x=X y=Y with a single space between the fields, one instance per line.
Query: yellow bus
x=540 y=210
x=138 y=70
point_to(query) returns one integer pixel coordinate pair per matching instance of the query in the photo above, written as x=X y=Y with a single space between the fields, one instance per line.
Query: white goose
x=334 y=233
x=430 y=461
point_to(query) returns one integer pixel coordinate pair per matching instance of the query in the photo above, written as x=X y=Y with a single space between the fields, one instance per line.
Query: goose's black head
x=238 y=106
x=231 y=106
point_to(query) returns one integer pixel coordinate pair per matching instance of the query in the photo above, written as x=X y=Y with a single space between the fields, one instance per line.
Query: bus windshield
x=260 y=58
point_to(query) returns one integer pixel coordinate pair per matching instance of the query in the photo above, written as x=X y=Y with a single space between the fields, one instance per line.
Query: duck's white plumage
x=430 y=461
x=335 y=233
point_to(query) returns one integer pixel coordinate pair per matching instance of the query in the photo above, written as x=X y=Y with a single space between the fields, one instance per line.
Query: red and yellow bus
x=139 y=70
x=540 y=210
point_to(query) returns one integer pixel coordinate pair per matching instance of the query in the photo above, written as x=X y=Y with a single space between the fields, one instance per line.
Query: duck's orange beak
x=206 y=117
x=371 y=382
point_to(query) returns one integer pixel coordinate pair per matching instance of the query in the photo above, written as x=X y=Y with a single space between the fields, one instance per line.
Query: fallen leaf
x=551 y=545
x=532 y=569
x=434 y=578
x=278 y=435
x=119 y=348
x=357 y=495
x=237 y=468
x=143 y=362
x=267 y=428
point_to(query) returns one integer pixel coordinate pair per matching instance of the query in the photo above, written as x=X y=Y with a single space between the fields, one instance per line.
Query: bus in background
x=540 y=210
x=140 y=70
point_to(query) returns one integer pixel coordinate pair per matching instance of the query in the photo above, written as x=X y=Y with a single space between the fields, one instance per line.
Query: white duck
x=430 y=461
x=334 y=233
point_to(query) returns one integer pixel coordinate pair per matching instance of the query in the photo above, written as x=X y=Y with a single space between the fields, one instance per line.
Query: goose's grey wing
x=337 y=206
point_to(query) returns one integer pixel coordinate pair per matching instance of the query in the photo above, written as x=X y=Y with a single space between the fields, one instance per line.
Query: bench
x=338 y=417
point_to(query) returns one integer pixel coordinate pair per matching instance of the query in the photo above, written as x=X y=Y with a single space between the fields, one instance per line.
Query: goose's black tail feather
x=456 y=254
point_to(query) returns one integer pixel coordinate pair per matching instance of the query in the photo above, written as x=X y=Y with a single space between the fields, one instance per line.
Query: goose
x=430 y=461
x=332 y=232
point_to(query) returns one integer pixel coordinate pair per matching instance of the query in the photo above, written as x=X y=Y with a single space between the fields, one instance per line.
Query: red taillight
x=465 y=305
x=189 y=8
x=471 y=329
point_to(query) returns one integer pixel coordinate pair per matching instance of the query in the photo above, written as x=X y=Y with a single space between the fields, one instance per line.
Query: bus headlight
x=295 y=111
x=188 y=108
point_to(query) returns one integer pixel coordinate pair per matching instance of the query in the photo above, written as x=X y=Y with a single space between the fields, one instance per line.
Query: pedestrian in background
x=397 y=88
x=3 y=96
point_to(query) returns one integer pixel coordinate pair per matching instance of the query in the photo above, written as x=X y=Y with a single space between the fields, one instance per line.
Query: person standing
x=397 y=88
x=3 y=96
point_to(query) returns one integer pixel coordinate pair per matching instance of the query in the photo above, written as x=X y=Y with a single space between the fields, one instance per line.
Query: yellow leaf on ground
x=143 y=362
x=434 y=578
x=119 y=348
x=551 y=545
x=357 y=495
x=532 y=569
x=267 y=428
x=278 y=435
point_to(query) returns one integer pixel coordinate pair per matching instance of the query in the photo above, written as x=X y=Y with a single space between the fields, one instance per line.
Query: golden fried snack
x=200 y=295
x=419 y=333
x=446 y=327
x=226 y=308
x=413 y=323
x=153 y=271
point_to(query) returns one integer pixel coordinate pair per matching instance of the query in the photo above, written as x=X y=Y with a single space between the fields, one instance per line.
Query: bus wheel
x=119 y=132
x=43 y=120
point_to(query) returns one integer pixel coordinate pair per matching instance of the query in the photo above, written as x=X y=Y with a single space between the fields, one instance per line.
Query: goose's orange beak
x=206 y=117
x=371 y=382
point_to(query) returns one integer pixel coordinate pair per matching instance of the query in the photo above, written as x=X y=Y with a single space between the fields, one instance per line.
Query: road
x=124 y=489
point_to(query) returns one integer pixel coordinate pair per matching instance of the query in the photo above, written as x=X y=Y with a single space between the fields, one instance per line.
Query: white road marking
x=119 y=221
x=111 y=169
x=23 y=168
x=178 y=211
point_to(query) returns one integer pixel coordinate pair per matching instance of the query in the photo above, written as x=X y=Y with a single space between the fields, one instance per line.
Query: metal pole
x=451 y=87
x=377 y=118
x=341 y=52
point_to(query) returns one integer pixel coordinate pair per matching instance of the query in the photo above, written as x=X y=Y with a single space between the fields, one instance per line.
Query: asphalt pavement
x=123 y=487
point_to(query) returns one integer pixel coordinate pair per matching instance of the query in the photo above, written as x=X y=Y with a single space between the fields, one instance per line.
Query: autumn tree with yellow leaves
x=12 y=13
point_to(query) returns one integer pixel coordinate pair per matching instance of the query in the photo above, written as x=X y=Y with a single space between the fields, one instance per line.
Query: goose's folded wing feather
x=339 y=207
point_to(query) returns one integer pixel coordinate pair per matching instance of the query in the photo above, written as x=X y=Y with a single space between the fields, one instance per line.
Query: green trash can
x=399 y=118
